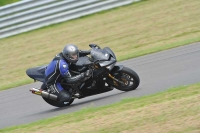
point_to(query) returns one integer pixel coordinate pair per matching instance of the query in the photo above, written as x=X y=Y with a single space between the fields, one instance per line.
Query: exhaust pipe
x=44 y=94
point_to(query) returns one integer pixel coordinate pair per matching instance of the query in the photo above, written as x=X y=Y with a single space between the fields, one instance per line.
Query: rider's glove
x=88 y=73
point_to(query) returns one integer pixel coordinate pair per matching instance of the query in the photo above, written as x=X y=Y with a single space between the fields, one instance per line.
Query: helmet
x=71 y=53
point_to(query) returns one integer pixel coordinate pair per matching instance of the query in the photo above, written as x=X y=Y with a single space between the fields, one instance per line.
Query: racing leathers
x=55 y=72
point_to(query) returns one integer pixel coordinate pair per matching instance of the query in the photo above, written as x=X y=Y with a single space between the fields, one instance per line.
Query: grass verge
x=130 y=31
x=176 y=110
x=6 y=2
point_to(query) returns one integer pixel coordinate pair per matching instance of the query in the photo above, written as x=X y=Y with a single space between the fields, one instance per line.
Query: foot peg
x=76 y=95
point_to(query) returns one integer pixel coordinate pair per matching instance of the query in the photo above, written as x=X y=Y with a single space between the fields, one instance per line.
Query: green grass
x=176 y=110
x=130 y=31
x=6 y=2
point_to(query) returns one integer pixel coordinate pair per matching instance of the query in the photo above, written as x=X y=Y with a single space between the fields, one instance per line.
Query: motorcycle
x=106 y=76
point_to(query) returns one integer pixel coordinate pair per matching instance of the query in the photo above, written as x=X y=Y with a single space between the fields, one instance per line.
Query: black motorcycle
x=106 y=76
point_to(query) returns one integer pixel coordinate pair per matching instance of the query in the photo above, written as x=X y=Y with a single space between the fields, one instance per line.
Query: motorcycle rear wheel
x=57 y=103
x=129 y=78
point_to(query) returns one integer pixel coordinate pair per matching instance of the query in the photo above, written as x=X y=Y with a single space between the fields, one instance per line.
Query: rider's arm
x=84 y=52
x=64 y=71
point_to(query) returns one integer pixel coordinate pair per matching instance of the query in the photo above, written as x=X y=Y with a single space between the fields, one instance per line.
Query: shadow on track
x=74 y=105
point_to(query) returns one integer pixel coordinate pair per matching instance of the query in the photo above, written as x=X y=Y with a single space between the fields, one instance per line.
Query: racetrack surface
x=158 y=72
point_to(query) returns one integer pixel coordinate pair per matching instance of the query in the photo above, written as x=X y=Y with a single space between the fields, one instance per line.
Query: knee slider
x=64 y=96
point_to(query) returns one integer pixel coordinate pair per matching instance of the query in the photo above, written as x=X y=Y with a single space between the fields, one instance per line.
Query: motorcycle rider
x=58 y=69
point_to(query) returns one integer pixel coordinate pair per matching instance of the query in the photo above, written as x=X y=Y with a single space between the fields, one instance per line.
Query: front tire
x=129 y=78
x=57 y=103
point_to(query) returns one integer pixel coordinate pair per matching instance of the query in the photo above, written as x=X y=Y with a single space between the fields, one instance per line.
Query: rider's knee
x=64 y=96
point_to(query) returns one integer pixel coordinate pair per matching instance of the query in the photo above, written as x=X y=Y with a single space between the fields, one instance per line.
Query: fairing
x=105 y=56
x=107 y=63
x=37 y=73
x=99 y=54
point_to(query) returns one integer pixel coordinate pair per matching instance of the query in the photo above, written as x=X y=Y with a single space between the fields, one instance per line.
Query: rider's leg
x=63 y=95
x=43 y=87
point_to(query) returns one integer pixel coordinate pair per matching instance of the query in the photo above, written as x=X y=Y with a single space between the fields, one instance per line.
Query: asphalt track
x=158 y=72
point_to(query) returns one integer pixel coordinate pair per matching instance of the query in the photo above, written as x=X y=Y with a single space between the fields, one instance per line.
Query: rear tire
x=129 y=77
x=57 y=103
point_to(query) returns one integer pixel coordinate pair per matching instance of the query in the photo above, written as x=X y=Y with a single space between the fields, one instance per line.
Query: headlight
x=110 y=67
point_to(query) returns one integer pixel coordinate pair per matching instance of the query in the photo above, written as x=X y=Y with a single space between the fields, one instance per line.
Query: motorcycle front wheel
x=129 y=80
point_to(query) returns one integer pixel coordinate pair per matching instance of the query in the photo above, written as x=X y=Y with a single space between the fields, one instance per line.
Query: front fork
x=116 y=80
